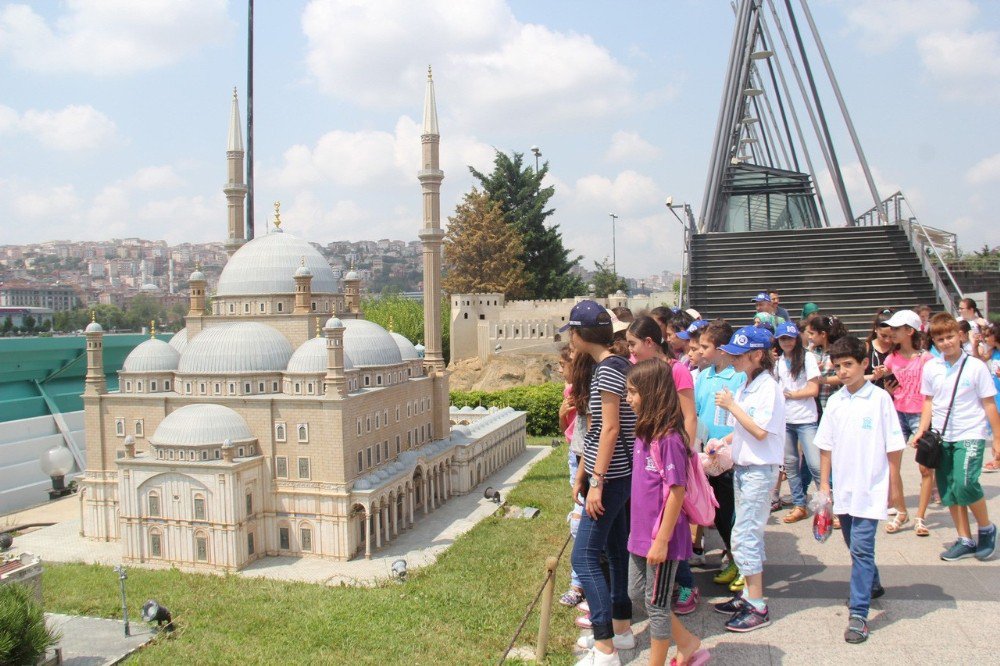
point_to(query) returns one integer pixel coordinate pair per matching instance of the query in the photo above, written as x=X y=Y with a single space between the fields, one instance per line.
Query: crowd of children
x=676 y=423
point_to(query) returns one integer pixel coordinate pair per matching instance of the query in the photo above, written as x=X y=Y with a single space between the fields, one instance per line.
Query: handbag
x=929 y=445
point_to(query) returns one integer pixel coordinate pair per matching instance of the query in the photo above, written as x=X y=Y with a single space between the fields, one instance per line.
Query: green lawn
x=462 y=610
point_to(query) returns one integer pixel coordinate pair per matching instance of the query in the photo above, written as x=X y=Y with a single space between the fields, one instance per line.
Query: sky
x=114 y=113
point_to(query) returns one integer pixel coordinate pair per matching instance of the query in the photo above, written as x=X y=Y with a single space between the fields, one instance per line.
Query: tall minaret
x=430 y=177
x=235 y=189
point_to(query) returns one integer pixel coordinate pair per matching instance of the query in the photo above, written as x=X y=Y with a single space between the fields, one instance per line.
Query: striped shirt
x=609 y=377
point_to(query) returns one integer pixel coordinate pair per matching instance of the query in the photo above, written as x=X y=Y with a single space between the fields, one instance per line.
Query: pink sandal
x=700 y=657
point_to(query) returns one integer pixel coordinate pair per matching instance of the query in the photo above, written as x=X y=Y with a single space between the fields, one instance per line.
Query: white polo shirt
x=859 y=429
x=798 y=410
x=763 y=402
x=968 y=418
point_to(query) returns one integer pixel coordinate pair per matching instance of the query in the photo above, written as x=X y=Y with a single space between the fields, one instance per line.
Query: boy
x=965 y=437
x=717 y=375
x=859 y=439
x=692 y=335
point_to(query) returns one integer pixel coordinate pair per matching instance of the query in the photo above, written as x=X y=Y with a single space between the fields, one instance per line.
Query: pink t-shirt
x=908 y=372
x=682 y=376
x=571 y=415
x=647 y=496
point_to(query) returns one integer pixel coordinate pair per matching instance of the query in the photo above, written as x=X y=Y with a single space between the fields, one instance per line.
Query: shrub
x=541 y=402
x=23 y=634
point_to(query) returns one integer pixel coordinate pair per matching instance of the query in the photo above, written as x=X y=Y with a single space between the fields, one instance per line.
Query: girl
x=798 y=377
x=991 y=336
x=902 y=372
x=823 y=331
x=576 y=369
x=660 y=538
x=605 y=480
x=758 y=414
x=880 y=345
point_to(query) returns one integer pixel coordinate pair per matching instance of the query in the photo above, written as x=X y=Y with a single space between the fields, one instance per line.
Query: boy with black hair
x=860 y=440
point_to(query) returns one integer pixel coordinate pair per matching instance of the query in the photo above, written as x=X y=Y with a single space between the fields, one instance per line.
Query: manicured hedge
x=540 y=401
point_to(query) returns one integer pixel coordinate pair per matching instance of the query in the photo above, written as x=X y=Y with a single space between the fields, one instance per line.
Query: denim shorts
x=752 y=486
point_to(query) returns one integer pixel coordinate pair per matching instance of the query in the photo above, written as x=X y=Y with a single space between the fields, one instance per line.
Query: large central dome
x=267 y=264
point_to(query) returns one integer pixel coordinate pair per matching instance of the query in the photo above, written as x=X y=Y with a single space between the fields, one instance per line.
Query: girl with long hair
x=880 y=344
x=824 y=331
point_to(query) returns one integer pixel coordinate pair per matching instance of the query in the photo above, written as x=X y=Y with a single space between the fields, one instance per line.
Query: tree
x=142 y=309
x=605 y=280
x=522 y=199
x=482 y=252
x=8 y=325
x=29 y=324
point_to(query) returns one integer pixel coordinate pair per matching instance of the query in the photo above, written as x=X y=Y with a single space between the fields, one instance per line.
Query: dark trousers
x=722 y=486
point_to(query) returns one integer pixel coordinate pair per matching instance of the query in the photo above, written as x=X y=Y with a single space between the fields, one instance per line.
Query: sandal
x=897 y=522
x=571 y=598
x=992 y=466
x=919 y=528
x=795 y=515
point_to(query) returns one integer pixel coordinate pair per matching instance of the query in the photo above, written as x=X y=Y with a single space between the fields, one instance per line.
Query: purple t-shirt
x=647 y=496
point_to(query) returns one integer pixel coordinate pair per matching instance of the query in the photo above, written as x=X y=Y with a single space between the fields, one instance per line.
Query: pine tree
x=481 y=252
x=605 y=280
x=522 y=199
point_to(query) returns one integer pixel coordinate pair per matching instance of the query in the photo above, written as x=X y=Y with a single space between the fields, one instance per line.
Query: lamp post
x=122 y=576
x=687 y=229
x=538 y=153
x=614 y=261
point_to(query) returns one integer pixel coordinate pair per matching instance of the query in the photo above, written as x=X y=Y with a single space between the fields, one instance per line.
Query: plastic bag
x=721 y=462
x=822 y=508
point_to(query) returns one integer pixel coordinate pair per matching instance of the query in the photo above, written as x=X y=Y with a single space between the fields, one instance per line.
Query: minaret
x=334 y=384
x=303 y=289
x=235 y=189
x=352 y=291
x=430 y=177
x=196 y=296
x=94 y=383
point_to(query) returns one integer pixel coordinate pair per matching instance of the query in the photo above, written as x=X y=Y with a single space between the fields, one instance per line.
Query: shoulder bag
x=929 y=448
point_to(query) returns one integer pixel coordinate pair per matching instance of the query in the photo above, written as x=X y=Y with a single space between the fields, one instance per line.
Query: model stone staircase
x=850 y=272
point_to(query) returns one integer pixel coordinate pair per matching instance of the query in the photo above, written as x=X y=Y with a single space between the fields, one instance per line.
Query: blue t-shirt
x=993 y=364
x=713 y=419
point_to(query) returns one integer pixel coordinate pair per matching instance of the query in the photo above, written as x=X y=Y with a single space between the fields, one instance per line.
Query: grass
x=461 y=610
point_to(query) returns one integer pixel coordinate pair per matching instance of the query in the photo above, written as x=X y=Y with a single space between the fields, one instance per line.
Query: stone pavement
x=92 y=641
x=933 y=611
x=419 y=545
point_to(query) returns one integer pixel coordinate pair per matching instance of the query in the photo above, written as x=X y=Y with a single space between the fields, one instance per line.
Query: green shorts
x=958 y=474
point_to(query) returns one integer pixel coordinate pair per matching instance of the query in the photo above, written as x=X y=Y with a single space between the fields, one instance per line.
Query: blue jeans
x=908 y=423
x=608 y=534
x=800 y=435
x=752 y=486
x=859 y=535
x=574 y=524
x=684 y=577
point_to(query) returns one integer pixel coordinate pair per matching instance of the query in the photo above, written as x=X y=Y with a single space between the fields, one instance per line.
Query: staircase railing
x=927 y=243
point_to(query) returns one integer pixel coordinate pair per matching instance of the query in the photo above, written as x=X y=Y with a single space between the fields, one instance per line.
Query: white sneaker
x=624 y=641
x=595 y=657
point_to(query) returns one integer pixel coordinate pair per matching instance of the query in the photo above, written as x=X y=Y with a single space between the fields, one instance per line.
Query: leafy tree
x=29 y=324
x=482 y=253
x=8 y=325
x=392 y=310
x=522 y=199
x=143 y=308
x=606 y=281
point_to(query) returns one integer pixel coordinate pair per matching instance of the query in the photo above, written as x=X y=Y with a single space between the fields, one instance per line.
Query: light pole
x=614 y=262
x=687 y=229
x=538 y=153
x=122 y=575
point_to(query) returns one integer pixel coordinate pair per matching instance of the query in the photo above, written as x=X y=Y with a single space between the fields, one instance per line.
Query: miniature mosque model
x=282 y=423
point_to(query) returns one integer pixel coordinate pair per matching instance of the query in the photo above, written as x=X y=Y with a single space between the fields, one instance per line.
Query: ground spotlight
x=492 y=495
x=152 y=611
x=399 y=569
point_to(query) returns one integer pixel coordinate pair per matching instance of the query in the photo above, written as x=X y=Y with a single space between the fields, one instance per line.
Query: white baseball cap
x=903 y=318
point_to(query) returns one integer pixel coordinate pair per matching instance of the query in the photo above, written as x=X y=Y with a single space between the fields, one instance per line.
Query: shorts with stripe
x=654 y=583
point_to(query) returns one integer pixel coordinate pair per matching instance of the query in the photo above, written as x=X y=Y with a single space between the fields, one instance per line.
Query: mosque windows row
x=303 y=467
x=267 y=307
x=138 y=429
x=200 y=549
x=244 y=387
x=153 y=385
x=305 y=538
x=188 y=455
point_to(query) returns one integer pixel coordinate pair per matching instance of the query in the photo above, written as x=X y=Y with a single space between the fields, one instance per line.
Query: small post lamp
x=492 y=495
x=122 y=576
x=153 y=611
x=399 y=570
x=57 y=463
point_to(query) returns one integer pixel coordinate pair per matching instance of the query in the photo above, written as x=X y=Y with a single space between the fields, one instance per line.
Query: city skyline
x=114 y=122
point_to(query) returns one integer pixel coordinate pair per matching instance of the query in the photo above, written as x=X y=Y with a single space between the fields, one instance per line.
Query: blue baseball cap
x=693 y=328
x=787 y=330
x=761 y=296
x=747 y=339
x=587 y=313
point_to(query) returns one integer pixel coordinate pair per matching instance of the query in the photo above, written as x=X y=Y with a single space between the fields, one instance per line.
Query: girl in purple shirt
x=660 y=536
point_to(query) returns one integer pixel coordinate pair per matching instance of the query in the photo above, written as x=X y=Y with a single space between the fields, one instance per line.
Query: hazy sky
x=114 y=113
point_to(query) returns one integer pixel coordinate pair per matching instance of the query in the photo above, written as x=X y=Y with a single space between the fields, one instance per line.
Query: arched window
x=281 y=306
x=155 y=543
x=199 y=507
x=128 y=387
x=303 y=430
x=279 y=432
x=305 y=537
x=166 y=384
x=201 y=546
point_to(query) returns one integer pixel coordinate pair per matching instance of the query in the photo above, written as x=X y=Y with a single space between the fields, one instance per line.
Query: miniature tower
x=196 y=284
x=334 y=384
x=235 y=189
x=94 y=383
x=431 y=235
x=352 y=291
x=303 y=289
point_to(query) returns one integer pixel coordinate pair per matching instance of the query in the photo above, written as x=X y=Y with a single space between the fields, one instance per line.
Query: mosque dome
x=179 y=340
x=406 y=349
x=197 y=276
x=149 y=287
x=240 y=347
x=333 y=322
x=367 y=344
x=352 y=275
x=303 y=271
x=310 y=358
x=194 y=425
x=266 y=265
x=151 y=356
x=94 y=327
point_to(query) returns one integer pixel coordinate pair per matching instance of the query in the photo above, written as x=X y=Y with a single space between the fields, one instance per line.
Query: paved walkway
x=419 y=546
x=933 y=612
x=93 y=641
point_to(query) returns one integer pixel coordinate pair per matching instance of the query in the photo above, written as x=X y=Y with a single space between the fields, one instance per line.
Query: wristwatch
x=596 y=480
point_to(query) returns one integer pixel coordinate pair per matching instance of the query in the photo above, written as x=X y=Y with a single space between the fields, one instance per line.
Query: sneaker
x=734 y=605
x=857 y=630
x=583 y=621
x=959 y=550
x=595 y=657
x=749 y=619
x=738 y=584
x=698 y=559
x=727 y=575
x=987 y=545
x=571 y=598
x=686 y=602
x=624 y=641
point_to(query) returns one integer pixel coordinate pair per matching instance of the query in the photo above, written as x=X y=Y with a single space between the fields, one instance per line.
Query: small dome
x=242 y=347
x=93 y=327
x=151 y=356
x=197 y=276
x=266 y=264
x=462 y=430
x=333 y=322
x=179 y=340
x=406 y=349
x=303 y=271
x=310 y=358
x=195 y=425
x=420 y=348
x=368 y=344
x=352 y=275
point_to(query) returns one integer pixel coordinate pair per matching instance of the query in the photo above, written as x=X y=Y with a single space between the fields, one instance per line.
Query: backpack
x=699 y=498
